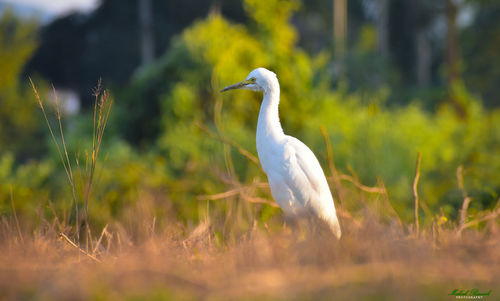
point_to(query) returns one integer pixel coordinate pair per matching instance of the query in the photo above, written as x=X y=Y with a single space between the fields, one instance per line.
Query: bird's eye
x=253 y=80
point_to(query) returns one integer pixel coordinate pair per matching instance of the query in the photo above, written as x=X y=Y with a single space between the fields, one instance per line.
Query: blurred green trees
x=22 y=136
x=20 y=133
x=77 y=49
x=481 y=46
x=376 y=141
x=174 y=140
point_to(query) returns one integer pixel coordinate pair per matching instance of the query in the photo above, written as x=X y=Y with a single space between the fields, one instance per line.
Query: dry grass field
x=372 y=261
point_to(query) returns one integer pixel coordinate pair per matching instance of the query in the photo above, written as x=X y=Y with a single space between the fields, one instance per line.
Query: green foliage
x=481 y=45
x=381 y=142
x=19 y=119
x=24 y=185
x=76 y=49
x=190 y=136
x=18 y=43
x=377 y=141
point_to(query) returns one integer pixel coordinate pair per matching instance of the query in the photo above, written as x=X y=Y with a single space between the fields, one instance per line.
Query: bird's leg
x=301 y=224
x=290 y=223
x=312 y=224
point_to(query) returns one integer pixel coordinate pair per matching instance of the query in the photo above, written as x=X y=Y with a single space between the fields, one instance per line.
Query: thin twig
x=153 y=226
x=263 y=185
x=353 y=172
x=104 y=230
x=466 y=198
x=490 y=216
x=221 y=195
x=237 y=191
x=79 y=249
x=240 y=149
x=257 y=200
x=68 y=161
x=232 y=192
x=15 y=216
x=415 y=192
x=329 y=152
x=385 y=195
x=331 y=165
x=361 y=186
x=218 y=126
x=67 y=168
x=109 y=237
x=56 y=218
x=102 y=109
x=61 y=132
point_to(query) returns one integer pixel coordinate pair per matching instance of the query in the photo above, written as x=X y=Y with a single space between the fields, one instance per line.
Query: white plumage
x=297 y=181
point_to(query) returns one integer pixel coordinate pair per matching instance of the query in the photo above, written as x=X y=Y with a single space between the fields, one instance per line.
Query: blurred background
x=386 y=79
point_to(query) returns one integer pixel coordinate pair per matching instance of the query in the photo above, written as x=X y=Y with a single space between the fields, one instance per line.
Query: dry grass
x=372 y=261
x=80 y=193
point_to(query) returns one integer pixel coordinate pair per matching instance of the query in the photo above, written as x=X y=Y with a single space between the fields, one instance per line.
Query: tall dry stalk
x=463 y=224
x=102 y=109
x=18 y=227
x=415 y=192
x=60 y=149
x=331 y=164
x=466 y=198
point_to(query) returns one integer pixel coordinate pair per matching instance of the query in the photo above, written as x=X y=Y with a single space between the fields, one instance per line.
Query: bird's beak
x=237 y=85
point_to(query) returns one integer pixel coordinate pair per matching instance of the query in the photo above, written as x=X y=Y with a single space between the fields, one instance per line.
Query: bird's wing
x=305 y=175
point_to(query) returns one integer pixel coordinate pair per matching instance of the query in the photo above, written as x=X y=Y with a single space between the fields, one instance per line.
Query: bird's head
x=259 y=79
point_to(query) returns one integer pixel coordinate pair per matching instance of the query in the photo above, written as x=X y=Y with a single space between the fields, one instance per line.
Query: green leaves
x=380 y=143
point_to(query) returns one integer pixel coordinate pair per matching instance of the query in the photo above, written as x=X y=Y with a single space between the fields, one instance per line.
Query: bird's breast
x=270 y=153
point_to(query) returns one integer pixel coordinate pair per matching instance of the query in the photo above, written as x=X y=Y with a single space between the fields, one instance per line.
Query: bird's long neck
x=268 y=126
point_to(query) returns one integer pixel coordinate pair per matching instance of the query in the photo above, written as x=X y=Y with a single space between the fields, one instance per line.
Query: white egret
x=297 y=181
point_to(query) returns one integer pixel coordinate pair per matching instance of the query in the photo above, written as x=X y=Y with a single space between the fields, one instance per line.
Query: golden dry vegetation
x=376 y=259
